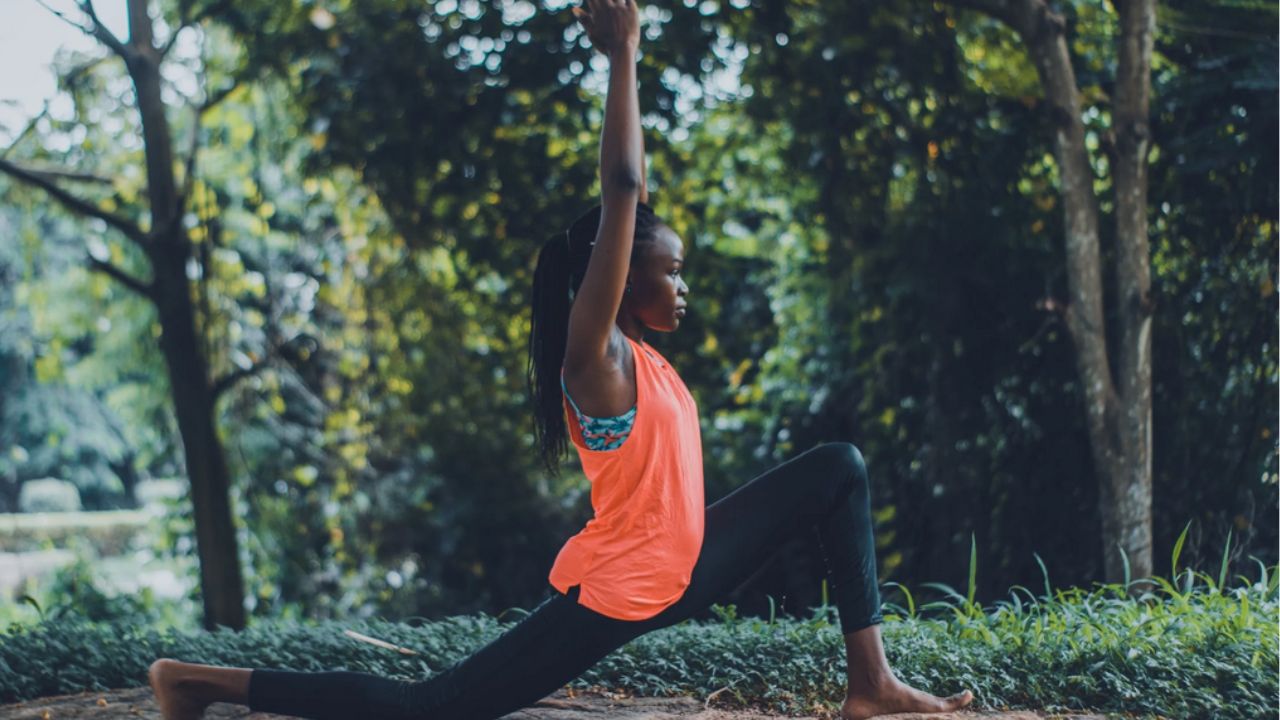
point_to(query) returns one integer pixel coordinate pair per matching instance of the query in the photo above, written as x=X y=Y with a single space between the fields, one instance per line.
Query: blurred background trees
x=871 y=209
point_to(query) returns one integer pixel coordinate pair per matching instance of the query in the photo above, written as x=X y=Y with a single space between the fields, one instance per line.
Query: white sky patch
x=30 y=37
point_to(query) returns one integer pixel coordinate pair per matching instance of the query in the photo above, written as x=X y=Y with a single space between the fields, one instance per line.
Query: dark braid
x=562 y=266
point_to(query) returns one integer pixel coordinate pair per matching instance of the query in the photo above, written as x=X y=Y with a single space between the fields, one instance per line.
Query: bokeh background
x=872 y=211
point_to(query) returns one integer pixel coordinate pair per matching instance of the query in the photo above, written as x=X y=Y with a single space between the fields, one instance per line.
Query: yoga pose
x=653 y=555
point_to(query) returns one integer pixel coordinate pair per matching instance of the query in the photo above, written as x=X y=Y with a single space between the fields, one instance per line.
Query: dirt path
x=139 y=703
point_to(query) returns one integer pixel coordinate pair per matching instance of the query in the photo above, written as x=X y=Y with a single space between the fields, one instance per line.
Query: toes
x=959 y=700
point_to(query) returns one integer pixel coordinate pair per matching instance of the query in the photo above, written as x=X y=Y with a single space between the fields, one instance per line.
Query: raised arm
x=644 y=174
x=614 y=29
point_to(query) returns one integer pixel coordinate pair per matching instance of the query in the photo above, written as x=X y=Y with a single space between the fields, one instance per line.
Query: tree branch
x=226 y=382
x=145 y=289
x=173 y=39
x=184 y=21
x=218 y=97
x=59 y=174
x=26 y=130
x=82 y=28
x=1051 y=319
x=101 y=32
x=75 y=204
x=189 y=167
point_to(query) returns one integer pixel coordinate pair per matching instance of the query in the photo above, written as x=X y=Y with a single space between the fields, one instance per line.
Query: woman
x=653 y=555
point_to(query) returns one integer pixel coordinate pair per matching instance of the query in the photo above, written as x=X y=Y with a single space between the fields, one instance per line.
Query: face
x=657 y=286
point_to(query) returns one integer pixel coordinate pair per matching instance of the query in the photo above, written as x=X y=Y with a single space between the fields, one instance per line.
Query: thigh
x=745 y=528
x=562 y=639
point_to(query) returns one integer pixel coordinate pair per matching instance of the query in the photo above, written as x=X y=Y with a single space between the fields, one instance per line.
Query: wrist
x=624 y=51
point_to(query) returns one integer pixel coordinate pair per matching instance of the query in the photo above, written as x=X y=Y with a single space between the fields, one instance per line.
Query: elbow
x=623 y=179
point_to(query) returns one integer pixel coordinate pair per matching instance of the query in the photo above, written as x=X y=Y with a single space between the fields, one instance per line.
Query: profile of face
x=658 y=290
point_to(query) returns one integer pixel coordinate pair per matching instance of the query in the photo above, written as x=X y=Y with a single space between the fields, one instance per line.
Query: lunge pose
x=653 y=555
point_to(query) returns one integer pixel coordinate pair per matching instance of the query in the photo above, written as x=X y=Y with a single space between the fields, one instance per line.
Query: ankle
x=187 y=679
x=872 y=682
x=208 y=684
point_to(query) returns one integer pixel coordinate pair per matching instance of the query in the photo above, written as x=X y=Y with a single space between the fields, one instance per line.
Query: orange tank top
x=636 y=556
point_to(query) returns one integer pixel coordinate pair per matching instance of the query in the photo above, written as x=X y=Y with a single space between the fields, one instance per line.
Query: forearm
x=621 y=142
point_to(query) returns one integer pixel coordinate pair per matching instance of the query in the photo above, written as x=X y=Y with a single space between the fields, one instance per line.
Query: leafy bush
x=80 y=598
x=48 y=495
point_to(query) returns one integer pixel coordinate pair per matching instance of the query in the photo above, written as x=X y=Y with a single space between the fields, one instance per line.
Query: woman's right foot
x=175 y=703
x=898 y=697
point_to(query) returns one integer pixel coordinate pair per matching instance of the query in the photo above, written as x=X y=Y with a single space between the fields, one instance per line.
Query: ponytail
x=549 y=333
x=562 y=265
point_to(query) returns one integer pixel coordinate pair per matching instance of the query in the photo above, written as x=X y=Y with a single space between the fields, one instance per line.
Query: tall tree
x=166 y=244
x=1116 y=376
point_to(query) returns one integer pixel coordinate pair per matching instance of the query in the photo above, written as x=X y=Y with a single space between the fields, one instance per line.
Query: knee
x=852 y=467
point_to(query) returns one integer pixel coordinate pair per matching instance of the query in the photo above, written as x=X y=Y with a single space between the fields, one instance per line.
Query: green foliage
x=1204 y=650
x=74 y=398
x=1214 y=271
x=74 y=593
x=870 y=219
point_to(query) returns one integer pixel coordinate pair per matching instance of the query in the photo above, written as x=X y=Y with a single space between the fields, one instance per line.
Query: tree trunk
x=1128 y=518
x=221 y=582
x=1117 y=404
x=222 y=585
x=168 y=247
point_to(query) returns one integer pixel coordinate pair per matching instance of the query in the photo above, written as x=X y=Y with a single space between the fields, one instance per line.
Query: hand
x=610 y=24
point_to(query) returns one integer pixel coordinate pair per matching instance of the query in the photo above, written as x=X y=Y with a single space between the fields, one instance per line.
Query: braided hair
x=562 y=266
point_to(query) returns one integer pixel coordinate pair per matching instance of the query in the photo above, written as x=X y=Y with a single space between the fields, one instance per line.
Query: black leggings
x=822 y=491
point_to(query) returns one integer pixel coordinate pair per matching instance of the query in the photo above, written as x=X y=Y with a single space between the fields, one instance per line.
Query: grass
x=1191 y=646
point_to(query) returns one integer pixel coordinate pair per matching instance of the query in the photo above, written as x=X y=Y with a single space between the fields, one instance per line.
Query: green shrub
x=1195 y=650
x=1191 y=647
x=79 y=598
x=48 y=495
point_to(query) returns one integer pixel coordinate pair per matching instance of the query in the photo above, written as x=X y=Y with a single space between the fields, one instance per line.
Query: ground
x=139 y=703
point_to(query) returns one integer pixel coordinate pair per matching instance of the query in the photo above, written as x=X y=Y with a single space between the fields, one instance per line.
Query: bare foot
x=175 y=703
x=898 y=697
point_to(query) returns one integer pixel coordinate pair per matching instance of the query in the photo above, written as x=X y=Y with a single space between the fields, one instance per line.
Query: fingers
x=608 y=21
x=593 y=10
x=583 y=17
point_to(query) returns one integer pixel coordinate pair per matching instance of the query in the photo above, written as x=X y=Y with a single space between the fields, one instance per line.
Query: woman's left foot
x=898 y=697
x=175 y=704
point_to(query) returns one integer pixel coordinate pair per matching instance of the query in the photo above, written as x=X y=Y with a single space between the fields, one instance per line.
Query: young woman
x=653 y=555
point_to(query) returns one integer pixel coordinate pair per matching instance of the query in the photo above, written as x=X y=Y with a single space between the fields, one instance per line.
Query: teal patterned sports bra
x=604 y=433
